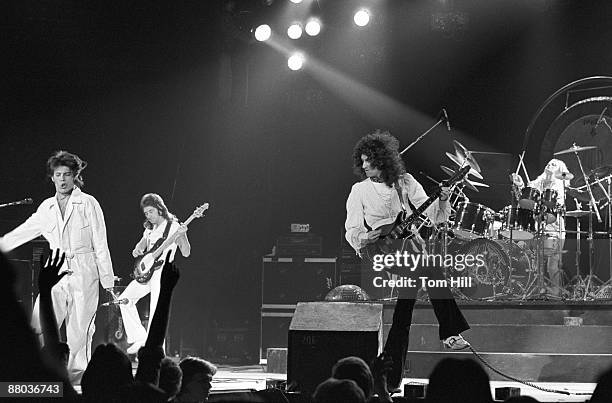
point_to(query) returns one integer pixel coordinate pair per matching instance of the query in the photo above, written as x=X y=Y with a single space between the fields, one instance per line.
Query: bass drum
x=491 y=273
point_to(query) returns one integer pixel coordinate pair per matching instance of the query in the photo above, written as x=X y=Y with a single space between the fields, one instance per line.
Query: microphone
x=445 y=115
x=16 y=203
x=122 y=301
x=601 y=118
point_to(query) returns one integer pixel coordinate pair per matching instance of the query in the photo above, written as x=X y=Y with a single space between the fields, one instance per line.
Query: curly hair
x=66 y=159
x=381 y=150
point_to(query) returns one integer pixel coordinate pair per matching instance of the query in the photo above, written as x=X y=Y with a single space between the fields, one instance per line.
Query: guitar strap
x=399 y=193
x=417 y=240
x=166 y=231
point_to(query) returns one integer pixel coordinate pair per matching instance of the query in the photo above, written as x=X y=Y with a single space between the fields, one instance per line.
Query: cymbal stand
x=591 y=277
x=586 y=180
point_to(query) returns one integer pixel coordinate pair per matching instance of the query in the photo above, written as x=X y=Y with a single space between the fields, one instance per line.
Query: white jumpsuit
x=81 y=234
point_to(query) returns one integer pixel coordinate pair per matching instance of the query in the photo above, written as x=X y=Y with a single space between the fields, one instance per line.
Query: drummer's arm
x=517 y=181
x=537 y=183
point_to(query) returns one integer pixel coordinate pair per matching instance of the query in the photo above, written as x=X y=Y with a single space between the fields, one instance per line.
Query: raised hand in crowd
x=151 y=354
x=380 y=366
x=49 y=273
x=49 y=276
x=170 y=275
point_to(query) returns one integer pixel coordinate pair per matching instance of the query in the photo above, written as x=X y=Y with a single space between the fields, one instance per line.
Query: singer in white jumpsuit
x=71 y=221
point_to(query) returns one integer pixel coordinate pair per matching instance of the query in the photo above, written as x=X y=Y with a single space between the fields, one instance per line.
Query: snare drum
x=548 y=205
x=472 y=220
x=519 y=222
x=529 y=198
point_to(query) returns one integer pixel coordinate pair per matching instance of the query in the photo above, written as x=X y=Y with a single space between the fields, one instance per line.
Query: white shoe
x=456 y=343
x=133 y=349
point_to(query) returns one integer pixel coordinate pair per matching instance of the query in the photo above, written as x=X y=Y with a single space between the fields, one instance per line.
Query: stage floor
x=253 y=378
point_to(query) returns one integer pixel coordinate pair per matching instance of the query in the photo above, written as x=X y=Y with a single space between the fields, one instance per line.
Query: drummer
x=551 y=187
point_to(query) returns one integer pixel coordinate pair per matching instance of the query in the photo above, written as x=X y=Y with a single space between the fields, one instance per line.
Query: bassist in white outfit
x=157 y=217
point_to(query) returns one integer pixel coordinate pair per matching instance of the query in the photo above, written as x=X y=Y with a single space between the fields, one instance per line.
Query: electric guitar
x=145 y=265
x=394 y=236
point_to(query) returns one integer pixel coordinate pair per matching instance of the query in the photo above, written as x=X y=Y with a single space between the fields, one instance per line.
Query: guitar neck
x=416 y=213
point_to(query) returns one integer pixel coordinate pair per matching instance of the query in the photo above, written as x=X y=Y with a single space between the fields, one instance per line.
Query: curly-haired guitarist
x=376 y=201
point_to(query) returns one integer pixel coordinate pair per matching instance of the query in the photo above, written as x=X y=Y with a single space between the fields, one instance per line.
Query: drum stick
x=518 y=167
x=525 y=171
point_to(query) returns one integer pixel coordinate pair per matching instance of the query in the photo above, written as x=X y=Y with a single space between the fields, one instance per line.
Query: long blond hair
x=562 y=167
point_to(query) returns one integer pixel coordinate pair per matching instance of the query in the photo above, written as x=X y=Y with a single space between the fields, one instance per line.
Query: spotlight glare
x=294 y=31
x=263 y=32
x=295 y=61
x=313 y=27
x=296 y=1
x=362 y=17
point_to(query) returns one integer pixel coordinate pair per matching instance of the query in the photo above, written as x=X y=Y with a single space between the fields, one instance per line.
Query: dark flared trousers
x=450 y=319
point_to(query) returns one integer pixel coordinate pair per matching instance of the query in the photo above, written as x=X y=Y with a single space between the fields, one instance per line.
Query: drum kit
x=518 y=242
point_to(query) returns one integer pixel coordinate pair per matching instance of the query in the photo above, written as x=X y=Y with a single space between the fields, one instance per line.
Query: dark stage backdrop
x=177 y=99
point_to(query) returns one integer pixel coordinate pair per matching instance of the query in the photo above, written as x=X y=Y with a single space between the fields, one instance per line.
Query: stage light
x=313 y=27
x=294 y=31
x=263 y=32
x=296 y=1
x=362 y=17
x=296 y=61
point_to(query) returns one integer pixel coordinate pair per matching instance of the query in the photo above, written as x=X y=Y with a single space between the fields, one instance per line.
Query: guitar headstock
x=199 y=212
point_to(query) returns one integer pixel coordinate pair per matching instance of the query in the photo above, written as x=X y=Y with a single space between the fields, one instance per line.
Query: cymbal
x=454 y=158
x=566 y=176
x=468 y=184
x=575 y=148
x=466 y=155
x=447 y=170
x=478 y=184
x=577 y=213
x=460 y=161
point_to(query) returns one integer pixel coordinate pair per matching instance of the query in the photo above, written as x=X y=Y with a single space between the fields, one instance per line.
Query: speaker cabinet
x=321 y=333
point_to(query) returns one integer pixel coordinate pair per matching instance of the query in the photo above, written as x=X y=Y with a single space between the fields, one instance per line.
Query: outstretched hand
x=49 y=273
x=170 y=274
x=380 y=366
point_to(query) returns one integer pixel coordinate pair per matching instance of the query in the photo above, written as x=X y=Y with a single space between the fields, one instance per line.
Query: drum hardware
x=472 y=220
x=592 y=207
x=464 y=182
x=606 y=286
x=564 y=176
x=544 y=249
x=576 y=214
x=494 y=279
x=548 y=205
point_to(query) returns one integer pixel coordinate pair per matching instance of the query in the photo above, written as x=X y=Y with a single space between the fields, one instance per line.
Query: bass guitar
x=145 y=265
x=393 y=237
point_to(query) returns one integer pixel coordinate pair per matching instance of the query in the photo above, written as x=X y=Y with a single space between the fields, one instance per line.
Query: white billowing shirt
x=378 y=204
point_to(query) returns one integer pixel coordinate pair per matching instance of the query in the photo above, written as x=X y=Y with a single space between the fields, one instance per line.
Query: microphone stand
x=16 y=203
x=409 y=146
